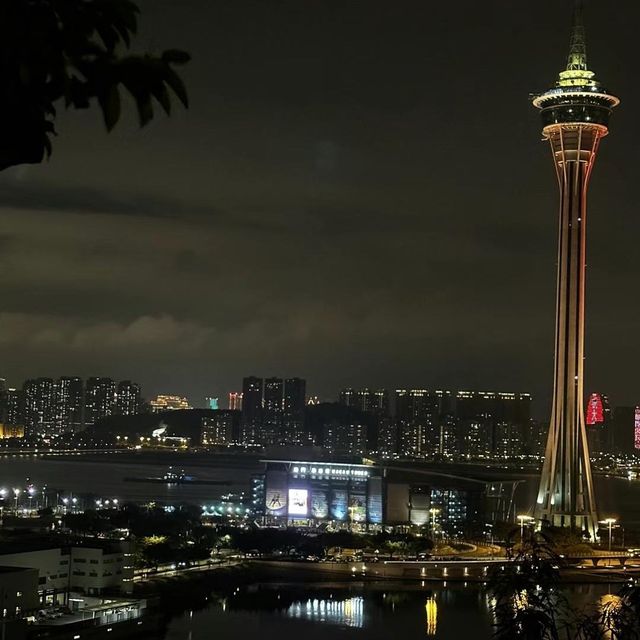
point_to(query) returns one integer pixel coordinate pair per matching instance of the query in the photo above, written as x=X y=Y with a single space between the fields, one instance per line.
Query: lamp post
x=16 y=493
x=522 y=520
x=610 y=522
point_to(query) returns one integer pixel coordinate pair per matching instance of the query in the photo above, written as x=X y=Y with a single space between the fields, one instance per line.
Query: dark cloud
x=358 y=195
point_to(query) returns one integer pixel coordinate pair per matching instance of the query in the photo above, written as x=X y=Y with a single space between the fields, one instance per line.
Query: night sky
x=358 y=196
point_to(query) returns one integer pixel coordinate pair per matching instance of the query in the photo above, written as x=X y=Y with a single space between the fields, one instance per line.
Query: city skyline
x=297 y=206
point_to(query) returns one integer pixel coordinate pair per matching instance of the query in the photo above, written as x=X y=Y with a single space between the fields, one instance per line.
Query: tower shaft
x=566 y=495
x=575 y=117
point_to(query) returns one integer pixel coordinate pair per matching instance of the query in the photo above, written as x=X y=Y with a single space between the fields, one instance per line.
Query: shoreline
x=252 y=572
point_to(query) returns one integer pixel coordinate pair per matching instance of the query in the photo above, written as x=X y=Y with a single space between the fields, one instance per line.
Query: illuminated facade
x=169 y=403
x=575 y=116
x=598 y=421
x=322 y=491
x=8 y=431
x=636 y=429
x=312 y=493
x=235 y=401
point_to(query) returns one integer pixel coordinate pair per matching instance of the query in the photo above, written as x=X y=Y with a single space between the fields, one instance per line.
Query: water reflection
x=375 y=611
x=431 y=607
x=349 y=612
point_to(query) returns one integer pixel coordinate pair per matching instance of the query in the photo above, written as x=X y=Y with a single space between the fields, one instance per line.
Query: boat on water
x=177 y=477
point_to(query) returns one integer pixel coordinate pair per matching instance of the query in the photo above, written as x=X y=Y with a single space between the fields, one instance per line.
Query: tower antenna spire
x=578 y=48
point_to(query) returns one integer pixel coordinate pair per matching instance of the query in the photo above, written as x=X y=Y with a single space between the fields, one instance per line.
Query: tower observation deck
x=575 y=117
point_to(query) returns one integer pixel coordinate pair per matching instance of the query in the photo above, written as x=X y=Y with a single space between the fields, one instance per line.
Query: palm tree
x=73 y=53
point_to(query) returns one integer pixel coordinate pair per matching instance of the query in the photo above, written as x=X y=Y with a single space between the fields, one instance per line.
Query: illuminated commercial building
x=169 y=403
x=235 y=401
x=575 y=117
x=8 y=431
x=636 y=429
x=598 y=424
x=310 y=493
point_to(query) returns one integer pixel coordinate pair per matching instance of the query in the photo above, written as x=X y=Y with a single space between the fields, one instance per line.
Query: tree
x=73 y=52
x=527 y=601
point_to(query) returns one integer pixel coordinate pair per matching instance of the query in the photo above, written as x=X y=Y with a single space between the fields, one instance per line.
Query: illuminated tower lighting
x=575 y=116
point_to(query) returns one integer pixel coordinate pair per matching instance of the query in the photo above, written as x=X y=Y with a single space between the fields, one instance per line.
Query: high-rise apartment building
x=127 y=398
x=3 y=400
x=295 y=390
x=39 y=407
x=417 y=415
x=15 y=407
x=251 y=423
x=372 y=401
x=69 y=405
x=345 y=438
x=100 y=399
x=272 y=411
x=493 y=424
x=218 y=429
x=388 y=438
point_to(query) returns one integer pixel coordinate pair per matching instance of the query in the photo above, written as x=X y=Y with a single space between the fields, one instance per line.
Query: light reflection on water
x=349 y=612
x=372 y=611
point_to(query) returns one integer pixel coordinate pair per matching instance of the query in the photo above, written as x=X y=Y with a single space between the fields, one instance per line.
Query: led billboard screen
x=319 y=505
x=298 y=502
x=357 y=508
x=374 y=501
x=339 y=503
x=276 y=494
x=637 y=429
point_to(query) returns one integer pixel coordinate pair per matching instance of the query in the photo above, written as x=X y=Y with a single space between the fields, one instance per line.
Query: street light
x=610 y=522
x=522 y=520
x=16 y=493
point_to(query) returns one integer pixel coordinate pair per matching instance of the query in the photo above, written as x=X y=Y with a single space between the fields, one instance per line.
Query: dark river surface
x=367 y=611
x=106 y=479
